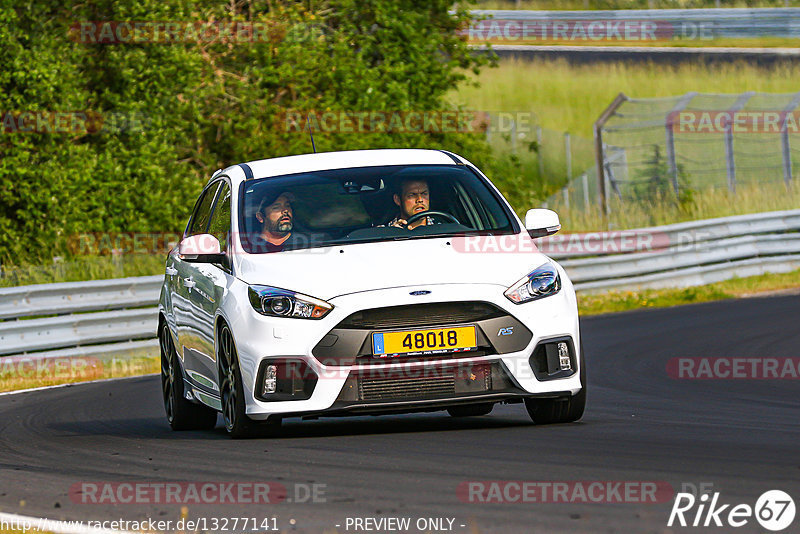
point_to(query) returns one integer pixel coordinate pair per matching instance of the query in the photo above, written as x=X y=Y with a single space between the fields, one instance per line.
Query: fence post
x=786 y=148
x=598 y=148
x=730 y=162
x=585 y=180
x=669 y=124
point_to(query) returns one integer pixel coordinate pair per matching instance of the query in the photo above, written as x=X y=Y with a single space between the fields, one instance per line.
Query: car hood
x=330 y=272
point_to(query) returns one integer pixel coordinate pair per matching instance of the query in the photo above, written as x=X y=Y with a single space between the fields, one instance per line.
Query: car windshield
x=367 y=204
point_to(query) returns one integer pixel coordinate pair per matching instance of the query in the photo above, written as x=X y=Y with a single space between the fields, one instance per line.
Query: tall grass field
x=569 y=98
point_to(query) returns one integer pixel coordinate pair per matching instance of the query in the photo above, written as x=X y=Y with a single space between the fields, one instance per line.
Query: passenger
x=277 y=218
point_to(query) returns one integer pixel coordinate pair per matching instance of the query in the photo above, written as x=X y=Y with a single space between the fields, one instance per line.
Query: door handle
x=172 y=271
x=188 y=282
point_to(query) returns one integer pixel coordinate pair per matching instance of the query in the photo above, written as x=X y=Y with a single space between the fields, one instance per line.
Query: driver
x=413 y=198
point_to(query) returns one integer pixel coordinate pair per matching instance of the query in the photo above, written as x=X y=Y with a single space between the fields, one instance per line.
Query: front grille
x=430 y=383
x=403 y=388
x=432 y=314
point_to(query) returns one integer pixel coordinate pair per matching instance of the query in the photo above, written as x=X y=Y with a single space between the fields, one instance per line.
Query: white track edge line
x=70 y=384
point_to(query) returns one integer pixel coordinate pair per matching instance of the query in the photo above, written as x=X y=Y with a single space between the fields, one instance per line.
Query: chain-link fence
x=672 y=148
x=532 y=161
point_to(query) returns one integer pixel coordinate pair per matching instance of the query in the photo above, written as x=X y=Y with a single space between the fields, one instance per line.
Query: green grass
x=618 y=301
x=708 y=204
x=82 y=268
x=16 y=375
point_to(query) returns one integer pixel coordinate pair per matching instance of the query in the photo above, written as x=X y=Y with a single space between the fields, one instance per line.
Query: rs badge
x=509 y=330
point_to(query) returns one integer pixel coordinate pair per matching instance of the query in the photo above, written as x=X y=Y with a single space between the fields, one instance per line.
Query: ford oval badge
x=418 y=293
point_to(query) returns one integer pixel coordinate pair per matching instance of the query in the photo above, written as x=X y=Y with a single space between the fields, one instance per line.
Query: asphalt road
x=741 y=436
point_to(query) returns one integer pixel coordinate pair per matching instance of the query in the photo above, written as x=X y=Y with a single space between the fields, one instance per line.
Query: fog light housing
x=563 y=357
x=270 y=379
x=554 y=358
x=285 y=379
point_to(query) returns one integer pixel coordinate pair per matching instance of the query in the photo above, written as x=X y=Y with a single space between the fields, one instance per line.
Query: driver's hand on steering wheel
x=399 y=223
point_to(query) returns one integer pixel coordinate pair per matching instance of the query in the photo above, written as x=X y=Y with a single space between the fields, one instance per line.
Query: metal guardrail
x=100 y=317
x=50 y=299
x=687 y=254
x=686 y=23
x=113 y=316
x=81 y=329
x=680 y=236
x=697 y=276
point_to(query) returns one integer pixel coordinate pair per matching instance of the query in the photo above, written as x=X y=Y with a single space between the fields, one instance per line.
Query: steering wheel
x=417 y=216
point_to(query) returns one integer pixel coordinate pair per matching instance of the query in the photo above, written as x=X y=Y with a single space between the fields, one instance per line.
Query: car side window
x=202 y=211
x=220 y=224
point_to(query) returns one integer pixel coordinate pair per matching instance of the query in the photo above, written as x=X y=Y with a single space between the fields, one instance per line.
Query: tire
x=231 y=388
x=471 y=410
x=554 y=411
x=181 y=413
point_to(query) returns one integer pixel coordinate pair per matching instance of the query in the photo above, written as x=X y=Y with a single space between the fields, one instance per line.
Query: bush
x=200 y=106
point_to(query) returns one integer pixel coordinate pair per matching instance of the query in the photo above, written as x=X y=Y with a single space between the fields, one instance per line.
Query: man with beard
x=277 y=219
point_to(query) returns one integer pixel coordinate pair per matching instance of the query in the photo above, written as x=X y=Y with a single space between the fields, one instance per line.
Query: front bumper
x=351 y=381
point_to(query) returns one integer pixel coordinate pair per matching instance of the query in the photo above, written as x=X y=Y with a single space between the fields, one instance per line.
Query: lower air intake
x=438 y=383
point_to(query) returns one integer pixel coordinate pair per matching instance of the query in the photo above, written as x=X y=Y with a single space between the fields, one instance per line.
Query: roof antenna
x=314 y=148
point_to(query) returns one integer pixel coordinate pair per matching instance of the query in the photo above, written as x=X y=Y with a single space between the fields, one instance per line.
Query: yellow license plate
x=435 y=340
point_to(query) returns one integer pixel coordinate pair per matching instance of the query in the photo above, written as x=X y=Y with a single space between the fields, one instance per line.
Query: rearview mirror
x=542 y=222
x=201 y=248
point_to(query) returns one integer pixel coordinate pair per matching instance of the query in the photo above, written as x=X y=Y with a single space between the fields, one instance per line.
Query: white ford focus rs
x=364 y=282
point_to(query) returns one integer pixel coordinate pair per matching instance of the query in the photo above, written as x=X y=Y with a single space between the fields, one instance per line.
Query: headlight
x=277 y=302
x=542 y=282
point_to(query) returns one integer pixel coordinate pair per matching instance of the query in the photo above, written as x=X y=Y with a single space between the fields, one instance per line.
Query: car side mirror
x=201 y=248
x=542 y=222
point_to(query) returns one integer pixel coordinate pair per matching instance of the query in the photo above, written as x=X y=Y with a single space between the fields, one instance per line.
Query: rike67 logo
x=774 y=510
